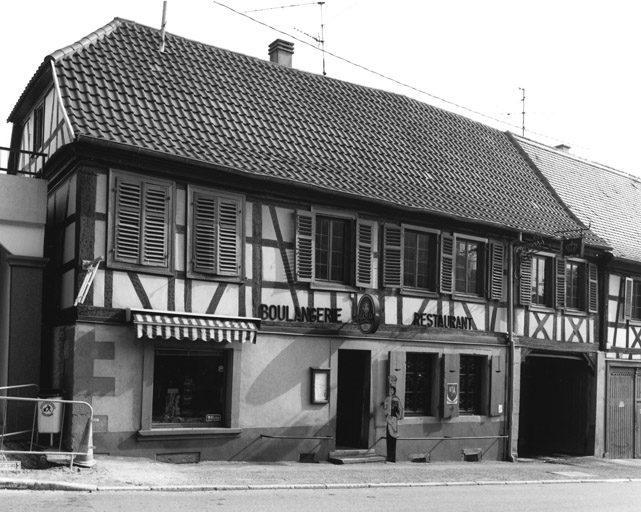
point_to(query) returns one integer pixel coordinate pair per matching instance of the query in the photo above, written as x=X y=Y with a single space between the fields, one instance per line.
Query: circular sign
x=47 y=408
x=368 y=314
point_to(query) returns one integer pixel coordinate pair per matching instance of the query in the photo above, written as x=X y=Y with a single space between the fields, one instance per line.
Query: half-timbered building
x=244 y=256
x=608 y=201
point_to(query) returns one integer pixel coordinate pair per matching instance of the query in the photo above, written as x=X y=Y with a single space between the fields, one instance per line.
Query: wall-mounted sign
x=452 y=393
x=368 y=314
x=446 y=321
x=302 y=314
x=320 y=385
x=572 y=247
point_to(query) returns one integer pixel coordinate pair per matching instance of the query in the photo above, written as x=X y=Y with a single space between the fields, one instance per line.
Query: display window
x=189 y=387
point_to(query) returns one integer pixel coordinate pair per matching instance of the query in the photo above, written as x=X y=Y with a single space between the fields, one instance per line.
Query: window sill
x=178 y=434
x=340 y=287
x=541 y=309
x=575 y=312
x=469 y=298
x=416 y=292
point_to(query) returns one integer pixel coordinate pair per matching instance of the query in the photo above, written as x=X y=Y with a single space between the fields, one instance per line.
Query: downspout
x=511 y=353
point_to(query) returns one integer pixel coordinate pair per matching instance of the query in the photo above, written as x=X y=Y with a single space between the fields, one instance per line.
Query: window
x=332 y=242
x=38 y=127
x=419 y=260
x=214 y=233
x=469 y=267
x=541 y=283
x=410 y=258
x=140 y=214
x=419 y=374
x=189 y=388
x=334 y=250
x=471 y=385
x=574 y=288
x=632 y=309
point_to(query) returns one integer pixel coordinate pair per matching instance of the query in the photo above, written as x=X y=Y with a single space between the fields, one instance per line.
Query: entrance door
x=352 y=412
x=624 y=414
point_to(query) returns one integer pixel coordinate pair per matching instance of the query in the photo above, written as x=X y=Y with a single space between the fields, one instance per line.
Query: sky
x=573 y=66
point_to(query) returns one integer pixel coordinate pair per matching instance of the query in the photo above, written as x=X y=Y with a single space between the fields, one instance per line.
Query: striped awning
x=151 y=324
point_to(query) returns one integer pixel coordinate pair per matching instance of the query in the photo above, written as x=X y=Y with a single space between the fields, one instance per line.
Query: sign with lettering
x=446 y=321
x=299 y=314
x=368 y=314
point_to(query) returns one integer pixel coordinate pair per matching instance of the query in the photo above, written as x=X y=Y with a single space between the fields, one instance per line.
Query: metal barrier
x=79 y=458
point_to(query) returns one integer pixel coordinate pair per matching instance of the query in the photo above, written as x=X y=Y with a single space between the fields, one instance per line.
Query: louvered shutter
x=128 y=213
x=228 y=231
x=155 y=225
x=525 y=281
x=497 y=254
x=304 y=246
x=627 y=305
x=497 y=385
x=560 y=283
x=204 y=233
x=447 y=264
x=364 y=249
x=593 y=288
x=392 y=256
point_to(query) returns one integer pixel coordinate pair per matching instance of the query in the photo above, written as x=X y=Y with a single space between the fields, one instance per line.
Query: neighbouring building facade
x=608 y=201
x=243 y=257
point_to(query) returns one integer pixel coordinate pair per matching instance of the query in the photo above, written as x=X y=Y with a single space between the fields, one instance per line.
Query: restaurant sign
x=445 y=321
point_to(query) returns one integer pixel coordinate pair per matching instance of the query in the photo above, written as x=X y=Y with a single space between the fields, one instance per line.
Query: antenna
x=162 y=26
x=523 y=112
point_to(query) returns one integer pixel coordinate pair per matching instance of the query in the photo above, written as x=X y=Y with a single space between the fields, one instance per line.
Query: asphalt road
x=563 y=497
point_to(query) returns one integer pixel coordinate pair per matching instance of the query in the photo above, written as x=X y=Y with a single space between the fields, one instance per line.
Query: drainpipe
x=511 y=354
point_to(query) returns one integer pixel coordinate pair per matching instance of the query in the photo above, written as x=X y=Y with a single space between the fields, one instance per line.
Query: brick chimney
x=281 y=52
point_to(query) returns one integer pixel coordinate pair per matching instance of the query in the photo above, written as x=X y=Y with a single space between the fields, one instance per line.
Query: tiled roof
x=264 y=119
x=607 y=200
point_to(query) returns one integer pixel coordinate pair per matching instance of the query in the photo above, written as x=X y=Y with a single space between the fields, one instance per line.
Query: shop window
x=632 y=309
x=140 y=228
x=334 y=250
x=214 y=233
x=189 y=388
x=471 y=388
x=419 y=378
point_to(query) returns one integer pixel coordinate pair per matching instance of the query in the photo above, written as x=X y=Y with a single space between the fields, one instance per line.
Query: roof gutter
x=56 y=85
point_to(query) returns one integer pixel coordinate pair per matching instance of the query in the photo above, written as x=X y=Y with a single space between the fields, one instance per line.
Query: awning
x=186 y=326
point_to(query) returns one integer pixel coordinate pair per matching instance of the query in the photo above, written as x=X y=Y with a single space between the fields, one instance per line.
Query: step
x=354 y=457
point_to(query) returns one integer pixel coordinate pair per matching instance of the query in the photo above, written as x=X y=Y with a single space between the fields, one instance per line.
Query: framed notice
x=320 y=385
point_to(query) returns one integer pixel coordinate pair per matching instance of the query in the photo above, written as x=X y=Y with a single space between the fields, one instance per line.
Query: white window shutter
x=627 y=304
x=560 y=283
x=497 y=254
x=204 y=233
x=525 y=281
x=593 y=288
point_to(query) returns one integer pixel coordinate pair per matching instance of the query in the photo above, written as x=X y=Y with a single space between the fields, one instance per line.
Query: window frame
x=477 y=388
x=581 y=285
x=632 y=300
x=432 y=264
x=481 y=270
x=431 y=360
x=230 y=428
x=223 y=201
x=114 y=221
x=549 y=283
x=361 y=235
x=37 y=142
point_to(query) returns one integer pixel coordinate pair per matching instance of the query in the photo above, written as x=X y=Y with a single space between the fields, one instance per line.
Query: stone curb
x=34 y=485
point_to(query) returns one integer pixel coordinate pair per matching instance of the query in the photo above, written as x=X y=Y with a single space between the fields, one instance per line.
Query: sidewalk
x=125 y=473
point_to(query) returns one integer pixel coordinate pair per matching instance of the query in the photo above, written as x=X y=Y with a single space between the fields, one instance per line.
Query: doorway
x=353 y=403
